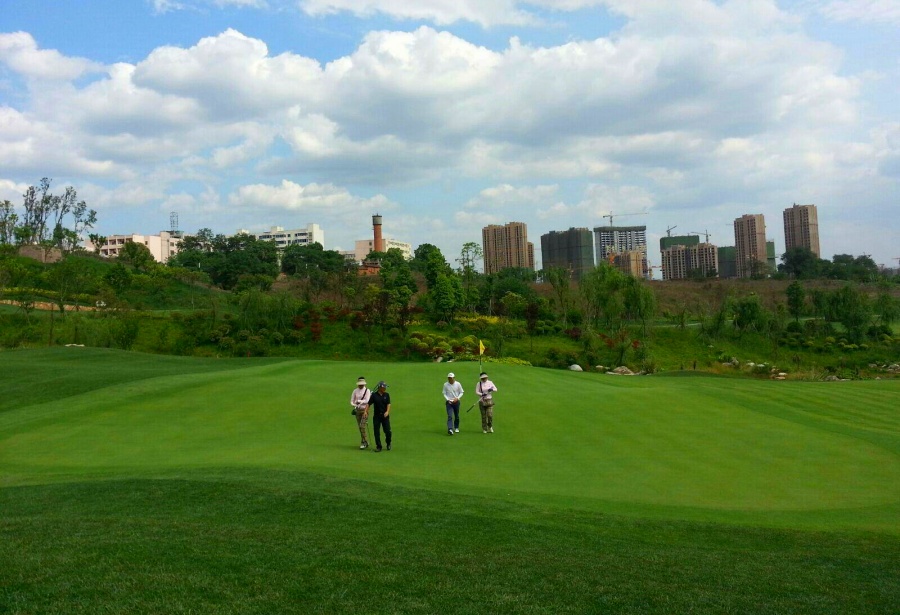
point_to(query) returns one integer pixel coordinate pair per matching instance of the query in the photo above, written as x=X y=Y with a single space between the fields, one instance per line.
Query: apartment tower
x=572 y=250
x=612 y=240
x=750 y=244
x=506 y=246
x=801 y=228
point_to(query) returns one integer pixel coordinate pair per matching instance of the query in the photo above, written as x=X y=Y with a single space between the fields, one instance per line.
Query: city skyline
x=447 y=117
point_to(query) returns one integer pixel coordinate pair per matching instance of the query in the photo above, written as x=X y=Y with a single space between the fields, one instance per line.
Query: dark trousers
x=380 y=421
x=452 y=415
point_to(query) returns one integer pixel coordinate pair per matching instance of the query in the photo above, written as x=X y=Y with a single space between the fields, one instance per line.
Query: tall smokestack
x=379 y=242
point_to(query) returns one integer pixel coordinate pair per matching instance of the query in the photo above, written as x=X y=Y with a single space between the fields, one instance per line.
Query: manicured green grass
x=185 y=488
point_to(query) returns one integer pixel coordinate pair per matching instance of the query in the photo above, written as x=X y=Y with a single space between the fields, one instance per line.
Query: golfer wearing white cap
x=359 y=399
x=483 y=389
x=453 y=392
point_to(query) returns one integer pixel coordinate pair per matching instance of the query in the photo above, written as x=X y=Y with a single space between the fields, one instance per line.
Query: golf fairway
x=792 y=454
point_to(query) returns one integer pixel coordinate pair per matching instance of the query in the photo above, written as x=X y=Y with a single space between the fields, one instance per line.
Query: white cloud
x=506 y=195
x=313 y=198
x=442 y=12
x=19 y=51
x=865 y=11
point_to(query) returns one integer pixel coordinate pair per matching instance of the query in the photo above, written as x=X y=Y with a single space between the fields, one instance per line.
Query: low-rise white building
x=161 y=246
x=313 y=233
x=364 y=246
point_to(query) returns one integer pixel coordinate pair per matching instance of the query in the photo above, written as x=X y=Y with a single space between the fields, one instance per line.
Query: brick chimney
x=379 y=242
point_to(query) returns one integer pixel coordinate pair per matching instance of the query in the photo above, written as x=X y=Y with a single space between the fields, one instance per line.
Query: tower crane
x=669 y=230
x=610 y=215
x=706 y=235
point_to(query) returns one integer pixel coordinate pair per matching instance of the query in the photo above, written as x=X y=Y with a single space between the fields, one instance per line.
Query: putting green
x=621 y=444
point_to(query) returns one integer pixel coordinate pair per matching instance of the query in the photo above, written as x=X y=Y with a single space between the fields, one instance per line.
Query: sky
x=445 y=116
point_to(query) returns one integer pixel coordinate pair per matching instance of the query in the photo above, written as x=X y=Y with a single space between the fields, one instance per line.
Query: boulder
x=575 y=368
x=622 y=371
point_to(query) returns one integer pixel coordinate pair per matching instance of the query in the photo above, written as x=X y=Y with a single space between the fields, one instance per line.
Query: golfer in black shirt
x=381 y=401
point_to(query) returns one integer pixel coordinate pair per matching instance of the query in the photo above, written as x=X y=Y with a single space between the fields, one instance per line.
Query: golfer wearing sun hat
x=359 y=400
x=380 y=400
x=483 y=389
x=453 y=392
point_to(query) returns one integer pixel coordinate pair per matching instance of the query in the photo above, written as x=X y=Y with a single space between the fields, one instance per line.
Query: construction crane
x=706 y=235
x=669 y=230
x=610 y=215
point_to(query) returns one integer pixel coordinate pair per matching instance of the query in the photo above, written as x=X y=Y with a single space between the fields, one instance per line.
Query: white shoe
x=484 y=431
x=491 y=429
x=456 y=430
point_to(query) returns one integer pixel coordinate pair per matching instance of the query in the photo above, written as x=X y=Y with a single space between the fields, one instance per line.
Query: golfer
x=380 y=400
x=453 y=392
x=359 y=400
x=483 y=389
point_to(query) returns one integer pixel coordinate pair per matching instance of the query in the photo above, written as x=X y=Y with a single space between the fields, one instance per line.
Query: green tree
x=601 y=290
x=887 y=308
x=445 y=296
x=8 y=222
x=558 y=278
x=313 y=265
x=796 y=299
x=800 y=264
x=137 y=255
x=639 y=301
x=850 y=307
x=469 y=257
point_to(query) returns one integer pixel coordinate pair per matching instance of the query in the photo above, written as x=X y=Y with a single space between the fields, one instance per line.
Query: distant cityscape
x=576 y=250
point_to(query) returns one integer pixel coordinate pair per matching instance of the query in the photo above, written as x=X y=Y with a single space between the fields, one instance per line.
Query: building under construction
x=572 y=250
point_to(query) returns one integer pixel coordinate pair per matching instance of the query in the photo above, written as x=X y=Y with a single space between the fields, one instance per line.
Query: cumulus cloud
x=19 y=51
x=692 y=103
x=313 y=198
x=865 y=11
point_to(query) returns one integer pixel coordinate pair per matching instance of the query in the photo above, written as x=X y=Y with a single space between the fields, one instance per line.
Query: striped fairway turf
x=132 y=483
x=794 y=454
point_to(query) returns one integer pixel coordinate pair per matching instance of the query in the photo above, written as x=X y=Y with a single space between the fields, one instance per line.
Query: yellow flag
x=480 y=348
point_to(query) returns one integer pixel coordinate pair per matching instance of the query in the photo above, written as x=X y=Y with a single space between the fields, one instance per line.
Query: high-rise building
x=801 y=228
x=572 y=250
x=506 y=246
x=727 y=262
x=680 y=261
x=770 y=255
x=675 y=264
x=610 y=240
x=630 y=262
x=750 y=244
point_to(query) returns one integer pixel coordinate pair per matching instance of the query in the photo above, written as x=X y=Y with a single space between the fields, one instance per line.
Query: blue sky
x=447 y=115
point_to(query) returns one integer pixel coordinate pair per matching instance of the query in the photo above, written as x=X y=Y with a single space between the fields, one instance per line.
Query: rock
x=623 y=371
x=575 y=368
x=831 y=378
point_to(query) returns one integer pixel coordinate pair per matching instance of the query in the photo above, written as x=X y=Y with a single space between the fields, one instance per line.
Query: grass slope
x=242 y=491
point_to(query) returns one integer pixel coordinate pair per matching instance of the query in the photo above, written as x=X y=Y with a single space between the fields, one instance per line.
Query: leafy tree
x=118 y=278
x=887 y=308
x=445 y=296
x=313 y=265
x=800 y=264
x=558 y=278
x=137 y=255
x=848 y=267
x=748 y=313
x=601 y=290
x=796 y=299
x=46 y=215
x=851 y=308
x=8 y=223
x=639 y=301
x=468 y=259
